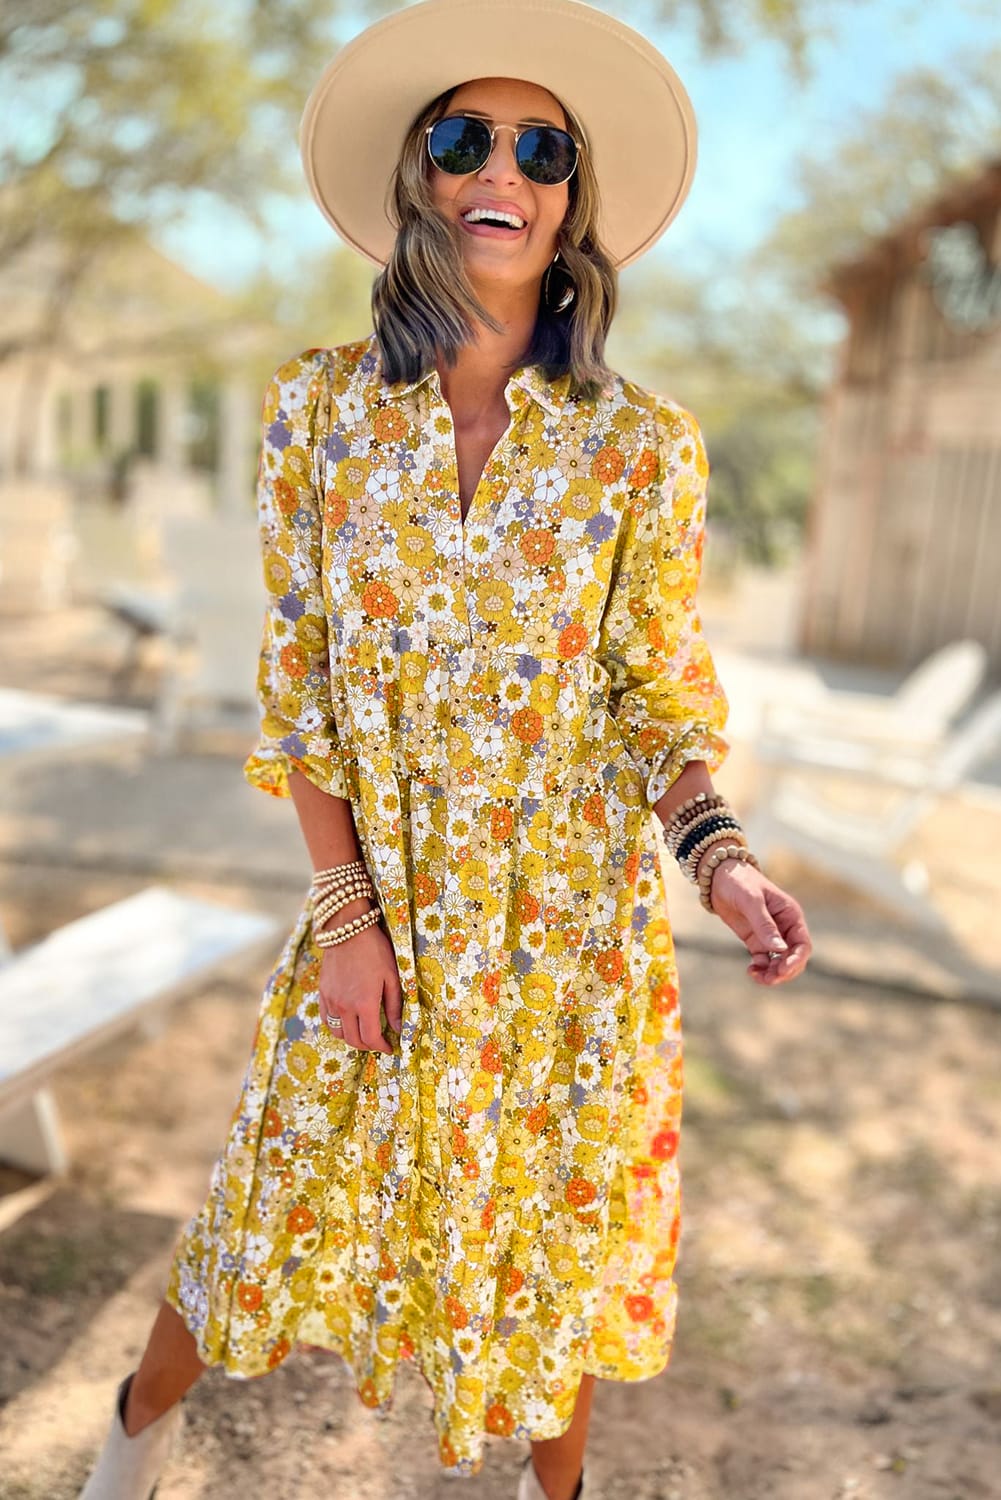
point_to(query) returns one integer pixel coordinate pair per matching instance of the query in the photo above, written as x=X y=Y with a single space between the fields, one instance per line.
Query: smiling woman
x=482 y=672
x=430 y=296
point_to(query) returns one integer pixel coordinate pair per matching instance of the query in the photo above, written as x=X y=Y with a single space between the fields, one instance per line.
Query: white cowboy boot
x=529 y=1487
x=128 y=1468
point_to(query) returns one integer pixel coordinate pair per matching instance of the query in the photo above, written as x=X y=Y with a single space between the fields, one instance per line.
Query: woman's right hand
x=356 y=976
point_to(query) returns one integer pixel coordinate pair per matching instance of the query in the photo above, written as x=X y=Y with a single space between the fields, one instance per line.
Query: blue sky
x=755 y=120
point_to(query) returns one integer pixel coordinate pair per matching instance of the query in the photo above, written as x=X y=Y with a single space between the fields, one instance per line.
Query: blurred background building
x=904 y=536
x=146 y=378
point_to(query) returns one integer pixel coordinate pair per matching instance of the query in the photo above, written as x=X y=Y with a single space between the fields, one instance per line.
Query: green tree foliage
x=725 y=27
x=751 y=348
x=126 y=109
x=751 y=370
x=934 y=126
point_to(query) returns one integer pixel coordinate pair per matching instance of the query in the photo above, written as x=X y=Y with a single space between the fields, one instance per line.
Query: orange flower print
x=644 y=470
x=528 y=906
x=639 y=1307
x=609 y=964
x=573 y=640
x=287 y=498
x=281 y=1350
x=527 y=724
x=301 y=1219
x=379 y=601
x=389 y=425
x=608 y=465
x=249 y=1296
x=272 y=1123
x=537 y=545
x=501 y=822
x=335 y=510
x=594 y=811
x=576 y=1037
x=580 y=1191
x=498 y=1420
x=425 y=889
x=491 y=1057
x=457 y=1314
x=293 y=660
x=664 y=1144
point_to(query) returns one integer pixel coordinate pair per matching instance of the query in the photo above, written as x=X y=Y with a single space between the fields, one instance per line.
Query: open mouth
x=494 y=218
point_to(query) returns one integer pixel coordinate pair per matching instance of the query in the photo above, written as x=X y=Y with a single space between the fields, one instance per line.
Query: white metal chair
x=36 y=545
x=793 y=813
x=217 y=620
x=920 y=711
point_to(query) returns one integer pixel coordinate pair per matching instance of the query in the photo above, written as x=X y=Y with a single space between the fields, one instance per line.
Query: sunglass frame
x=519 y=131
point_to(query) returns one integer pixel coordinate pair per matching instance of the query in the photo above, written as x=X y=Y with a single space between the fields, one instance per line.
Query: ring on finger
x=334 y=1023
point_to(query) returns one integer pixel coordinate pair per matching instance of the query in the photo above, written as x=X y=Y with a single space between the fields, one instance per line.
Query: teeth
x=477 y=215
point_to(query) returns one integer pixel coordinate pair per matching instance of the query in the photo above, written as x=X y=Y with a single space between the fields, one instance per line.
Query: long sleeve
x=666 y=698
x=297 y=727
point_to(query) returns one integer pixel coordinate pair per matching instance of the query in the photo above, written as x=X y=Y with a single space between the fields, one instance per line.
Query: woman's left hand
x=764 y=917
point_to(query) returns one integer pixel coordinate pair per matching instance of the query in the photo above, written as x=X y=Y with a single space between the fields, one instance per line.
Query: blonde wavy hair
x=423 y=304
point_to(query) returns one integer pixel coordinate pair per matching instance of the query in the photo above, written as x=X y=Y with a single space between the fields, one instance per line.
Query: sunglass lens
x=546 y=154
x=459 y=144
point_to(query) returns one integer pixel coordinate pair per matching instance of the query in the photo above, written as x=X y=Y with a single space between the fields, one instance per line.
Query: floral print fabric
x=502 y=698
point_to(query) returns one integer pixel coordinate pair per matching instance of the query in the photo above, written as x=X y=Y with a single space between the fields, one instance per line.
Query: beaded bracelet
x=331 y=936
x=336 y=887
x=337 y=873
x=724 y=852
x=695 y=807
x=698 y=821
x=333 y=903
x=715 y=823
x=689 y=869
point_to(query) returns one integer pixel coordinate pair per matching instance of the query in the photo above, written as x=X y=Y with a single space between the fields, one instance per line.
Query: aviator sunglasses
x=460 y=144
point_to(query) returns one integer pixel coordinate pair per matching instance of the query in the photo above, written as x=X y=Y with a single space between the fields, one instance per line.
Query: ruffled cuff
x=700 y=742
x=269 y=763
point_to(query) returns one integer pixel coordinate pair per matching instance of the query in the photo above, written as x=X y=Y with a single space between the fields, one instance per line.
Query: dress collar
x=527 y=381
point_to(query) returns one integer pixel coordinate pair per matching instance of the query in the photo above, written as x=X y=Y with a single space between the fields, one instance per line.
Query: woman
x=482 y=671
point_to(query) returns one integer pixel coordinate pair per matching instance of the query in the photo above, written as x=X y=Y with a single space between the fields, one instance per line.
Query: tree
x=934 y=125
x=125 y=108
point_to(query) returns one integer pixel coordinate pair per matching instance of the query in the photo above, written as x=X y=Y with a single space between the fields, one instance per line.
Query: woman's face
x=514 y=257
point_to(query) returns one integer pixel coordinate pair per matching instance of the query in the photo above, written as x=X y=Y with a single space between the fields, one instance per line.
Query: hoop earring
x=568 y=294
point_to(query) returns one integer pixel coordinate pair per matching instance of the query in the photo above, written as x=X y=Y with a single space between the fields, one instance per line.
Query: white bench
x=92 y=979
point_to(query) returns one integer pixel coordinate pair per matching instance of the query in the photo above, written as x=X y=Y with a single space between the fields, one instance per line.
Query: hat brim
x=636 y=116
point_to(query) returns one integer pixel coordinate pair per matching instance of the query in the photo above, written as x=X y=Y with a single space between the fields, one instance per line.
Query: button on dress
x=502 y=697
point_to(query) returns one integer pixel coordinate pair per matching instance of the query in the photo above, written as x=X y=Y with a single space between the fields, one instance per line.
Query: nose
x=501 y=165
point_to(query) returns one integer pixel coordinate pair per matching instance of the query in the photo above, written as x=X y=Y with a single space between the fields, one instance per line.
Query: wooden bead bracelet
x=725 y=851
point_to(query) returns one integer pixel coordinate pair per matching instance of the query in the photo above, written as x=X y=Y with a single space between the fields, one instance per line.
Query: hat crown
x=635 y=114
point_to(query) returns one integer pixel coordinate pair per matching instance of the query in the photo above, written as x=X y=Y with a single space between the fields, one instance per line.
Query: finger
x=350 y=1033
x=788 y=916
x=371 y=1032
x=765 y=937
x=392 y=993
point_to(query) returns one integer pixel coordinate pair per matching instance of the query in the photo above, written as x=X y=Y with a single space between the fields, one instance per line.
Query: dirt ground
x=840 y=1298
x=840 y=1315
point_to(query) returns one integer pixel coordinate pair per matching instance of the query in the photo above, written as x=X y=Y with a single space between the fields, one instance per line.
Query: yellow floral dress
x=502 y=698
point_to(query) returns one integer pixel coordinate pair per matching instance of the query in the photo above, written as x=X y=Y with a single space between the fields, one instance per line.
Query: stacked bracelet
x=335 y=887
x=704 y=820
x=684 y=815
x=331 y=936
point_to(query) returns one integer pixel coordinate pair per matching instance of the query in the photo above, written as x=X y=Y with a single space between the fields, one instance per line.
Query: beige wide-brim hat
x=636 y=117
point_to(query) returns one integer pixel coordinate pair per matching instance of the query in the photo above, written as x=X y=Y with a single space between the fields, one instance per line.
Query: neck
x=475 y=383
